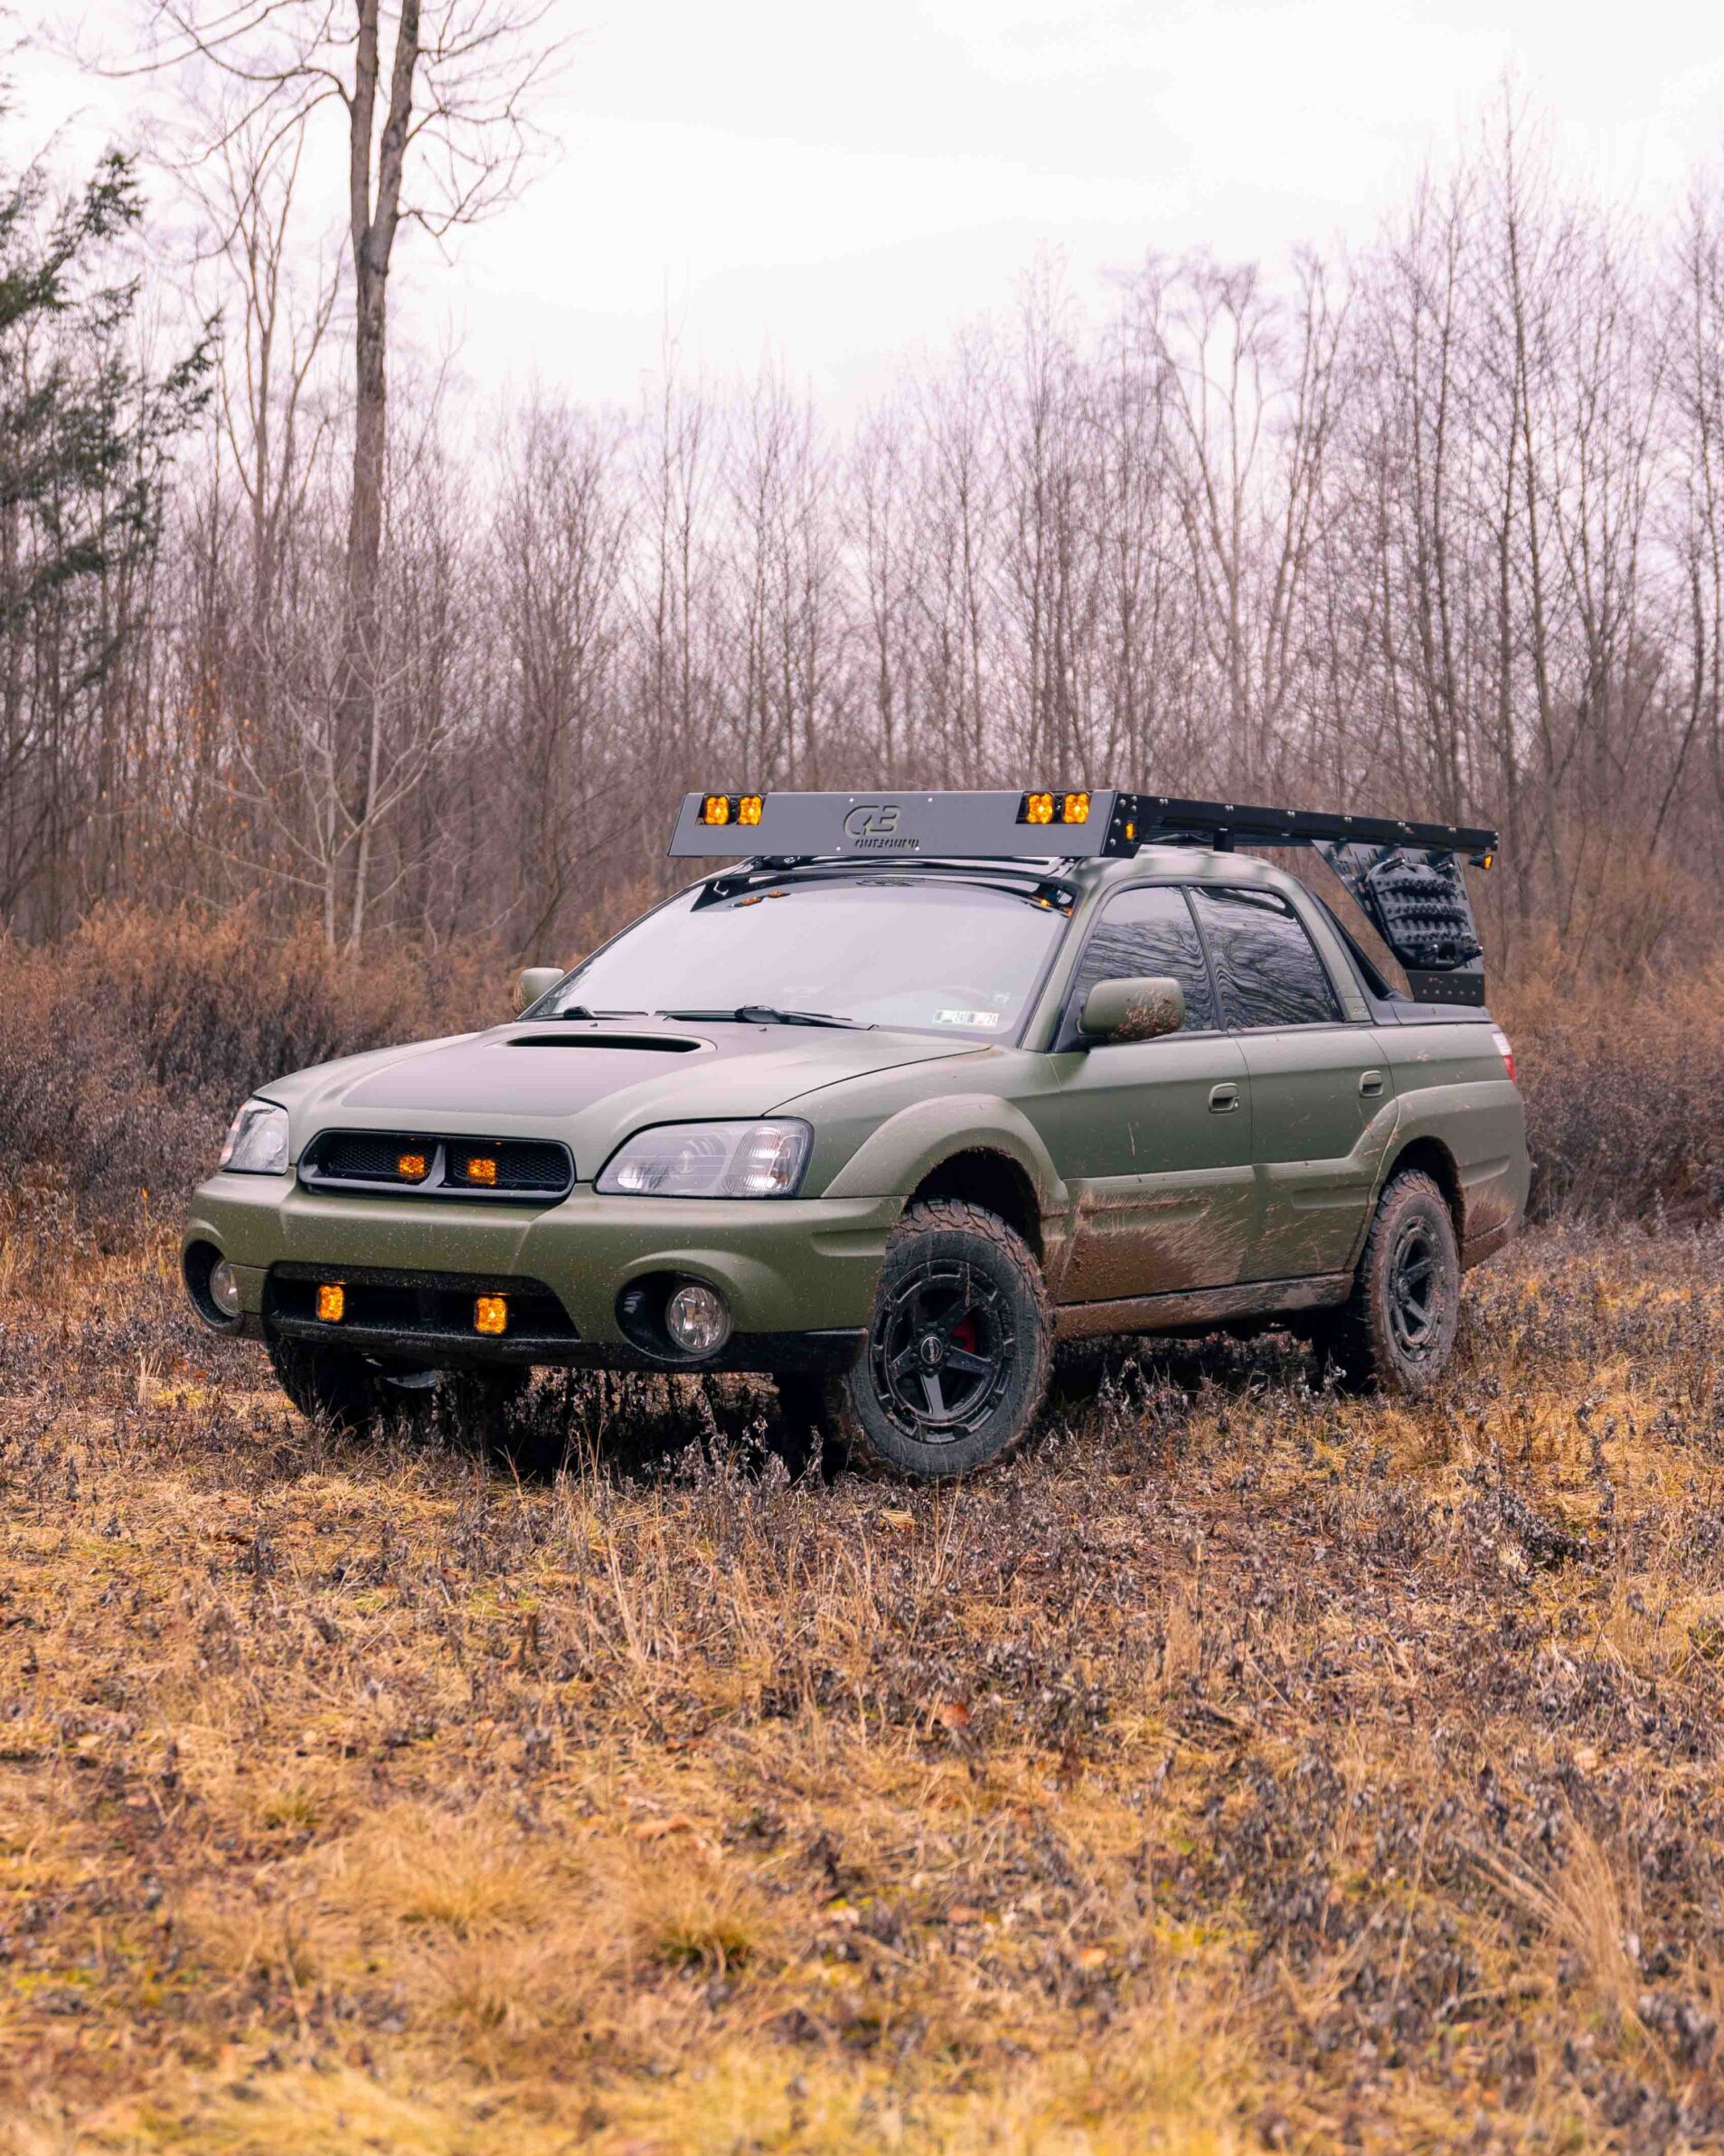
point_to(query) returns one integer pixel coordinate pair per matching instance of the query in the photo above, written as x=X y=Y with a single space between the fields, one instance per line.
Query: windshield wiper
x=765 y=1014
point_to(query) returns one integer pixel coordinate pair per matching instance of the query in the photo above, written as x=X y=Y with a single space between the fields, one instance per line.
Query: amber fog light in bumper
x=696 y=1319
x=491 y=1314
x=224 y=1288
x=332 y=1302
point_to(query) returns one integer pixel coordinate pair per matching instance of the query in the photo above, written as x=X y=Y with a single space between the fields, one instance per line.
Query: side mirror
x=1138 y=1008
x=534 y=981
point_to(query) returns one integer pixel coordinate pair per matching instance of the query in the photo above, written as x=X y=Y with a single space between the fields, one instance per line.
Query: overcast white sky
x=834 y=185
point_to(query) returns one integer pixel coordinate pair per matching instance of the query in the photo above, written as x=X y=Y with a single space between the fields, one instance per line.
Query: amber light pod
x=491 y=1314
x=332 y=1302
x=481 y=1168
x=715 y=809
x=411 y=1166
x=1038 y=808
x=748 y=810
x=1075 y=809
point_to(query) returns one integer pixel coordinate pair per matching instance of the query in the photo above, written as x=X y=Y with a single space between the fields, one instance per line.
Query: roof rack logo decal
x=871 y=826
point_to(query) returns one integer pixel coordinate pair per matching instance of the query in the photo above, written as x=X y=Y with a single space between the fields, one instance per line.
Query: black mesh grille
x=365 y=1158
x=438 y=1166
x=529 y=1164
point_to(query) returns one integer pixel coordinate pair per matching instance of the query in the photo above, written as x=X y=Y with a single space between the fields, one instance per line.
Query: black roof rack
x=1066 y=824
x=1406 y=877
x=1227 y=824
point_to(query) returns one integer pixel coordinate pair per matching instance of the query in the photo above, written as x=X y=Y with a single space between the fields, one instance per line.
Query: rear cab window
x=1267 y=968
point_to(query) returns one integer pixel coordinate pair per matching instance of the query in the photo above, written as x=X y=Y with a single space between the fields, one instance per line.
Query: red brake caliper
x=963 y=1332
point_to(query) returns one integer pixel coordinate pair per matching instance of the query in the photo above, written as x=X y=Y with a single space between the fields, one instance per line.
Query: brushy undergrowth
x=124 y=1050
x=1243 y=1768
x=1625 y=1094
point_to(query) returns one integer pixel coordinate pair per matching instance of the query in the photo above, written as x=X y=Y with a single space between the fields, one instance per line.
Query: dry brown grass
x=1244 y=1768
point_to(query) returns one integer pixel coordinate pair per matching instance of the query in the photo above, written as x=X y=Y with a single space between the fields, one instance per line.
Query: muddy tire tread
x=1356 y=1338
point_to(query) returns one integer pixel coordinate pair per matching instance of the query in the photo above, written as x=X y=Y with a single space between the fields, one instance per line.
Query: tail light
x=1506 y=1052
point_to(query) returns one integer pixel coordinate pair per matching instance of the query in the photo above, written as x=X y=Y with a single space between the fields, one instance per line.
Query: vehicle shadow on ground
x=635 y=1429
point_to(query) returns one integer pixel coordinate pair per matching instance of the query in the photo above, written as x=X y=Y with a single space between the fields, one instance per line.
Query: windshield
x=934 y=958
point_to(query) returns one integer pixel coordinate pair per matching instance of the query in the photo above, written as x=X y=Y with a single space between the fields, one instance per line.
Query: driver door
x=1152 y=1137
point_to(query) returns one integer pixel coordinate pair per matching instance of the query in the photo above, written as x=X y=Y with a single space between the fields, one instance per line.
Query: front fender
x=908 y=1146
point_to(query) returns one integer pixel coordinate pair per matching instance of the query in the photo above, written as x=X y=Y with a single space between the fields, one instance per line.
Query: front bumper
x=798 y=1274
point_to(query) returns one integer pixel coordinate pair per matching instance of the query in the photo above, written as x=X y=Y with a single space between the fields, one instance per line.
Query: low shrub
x=125 y=1049
x=1624 y=1095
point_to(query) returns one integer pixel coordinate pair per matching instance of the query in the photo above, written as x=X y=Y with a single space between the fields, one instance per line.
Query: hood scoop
x=653 y=1044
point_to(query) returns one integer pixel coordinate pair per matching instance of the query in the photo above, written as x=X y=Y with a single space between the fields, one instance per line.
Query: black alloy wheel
x=1411 y=1293
x=942 y=1350
x=958 y=1353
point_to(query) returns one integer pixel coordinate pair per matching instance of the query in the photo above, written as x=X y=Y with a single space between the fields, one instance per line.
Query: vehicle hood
x=589 y=1084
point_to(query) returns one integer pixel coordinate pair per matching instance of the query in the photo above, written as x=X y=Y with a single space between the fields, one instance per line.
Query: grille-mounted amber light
x=482 y=1168
x=411 y=1167
x=491 y=1314
x=332 y=1302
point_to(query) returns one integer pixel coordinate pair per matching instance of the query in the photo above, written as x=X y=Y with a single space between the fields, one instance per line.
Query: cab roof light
x=717 y=810
x=1054 y=807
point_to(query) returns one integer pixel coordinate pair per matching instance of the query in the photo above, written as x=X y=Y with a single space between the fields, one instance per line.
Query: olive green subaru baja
x=907 y=1090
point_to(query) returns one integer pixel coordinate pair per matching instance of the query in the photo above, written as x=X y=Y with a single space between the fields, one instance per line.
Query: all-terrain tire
x=327 y=1384
x=958 y=1353
x=1396 y=1331
x=804 y=1431
x=338 y=1386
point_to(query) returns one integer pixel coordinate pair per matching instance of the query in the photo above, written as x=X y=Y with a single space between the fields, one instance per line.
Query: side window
x=1146 y=931
x=1265 y=965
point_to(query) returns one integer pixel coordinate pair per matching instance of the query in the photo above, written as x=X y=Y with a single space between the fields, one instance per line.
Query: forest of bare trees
x=1436 y=530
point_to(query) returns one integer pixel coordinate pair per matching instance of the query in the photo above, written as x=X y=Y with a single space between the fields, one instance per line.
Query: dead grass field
x=1244 y=1768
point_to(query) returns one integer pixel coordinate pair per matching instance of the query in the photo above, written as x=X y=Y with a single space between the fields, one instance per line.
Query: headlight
x=257 y=1140
x=710 y=1160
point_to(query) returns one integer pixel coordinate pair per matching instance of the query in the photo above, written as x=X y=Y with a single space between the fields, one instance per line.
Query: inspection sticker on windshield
x=967 y=1017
